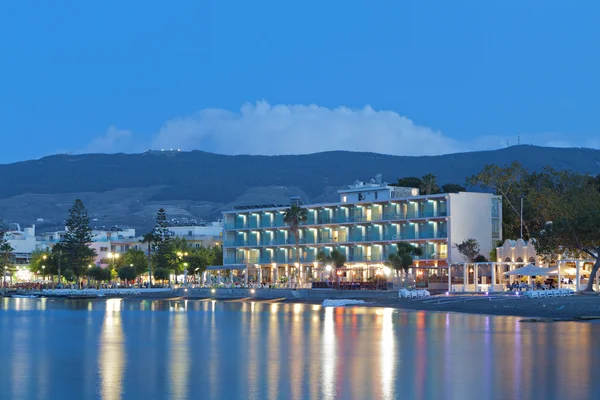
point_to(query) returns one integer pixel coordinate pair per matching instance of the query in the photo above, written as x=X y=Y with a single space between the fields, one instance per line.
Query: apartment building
x=365 y=225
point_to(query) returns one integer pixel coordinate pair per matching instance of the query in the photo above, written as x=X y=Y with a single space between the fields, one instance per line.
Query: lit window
x=344 y=199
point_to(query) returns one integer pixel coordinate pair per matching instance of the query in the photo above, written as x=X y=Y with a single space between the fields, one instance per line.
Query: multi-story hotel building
x=365 y=225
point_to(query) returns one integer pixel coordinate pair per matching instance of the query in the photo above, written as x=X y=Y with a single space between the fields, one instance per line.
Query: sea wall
x=287 y=294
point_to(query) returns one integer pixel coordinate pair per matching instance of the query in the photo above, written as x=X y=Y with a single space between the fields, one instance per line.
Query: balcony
x=234 y=260
x=365 y=258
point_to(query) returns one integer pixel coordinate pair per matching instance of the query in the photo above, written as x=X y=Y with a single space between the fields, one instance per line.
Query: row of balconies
x=328 y=240
x=282 y=259
x=278 y=222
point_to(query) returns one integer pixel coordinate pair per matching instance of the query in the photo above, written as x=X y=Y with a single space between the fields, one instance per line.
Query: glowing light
x=328 y=268
x=252 y=291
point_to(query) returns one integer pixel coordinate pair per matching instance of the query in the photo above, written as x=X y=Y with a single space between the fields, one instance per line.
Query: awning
x=529 y=270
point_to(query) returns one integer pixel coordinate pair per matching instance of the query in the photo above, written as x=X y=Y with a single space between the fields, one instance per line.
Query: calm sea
x=137 y=349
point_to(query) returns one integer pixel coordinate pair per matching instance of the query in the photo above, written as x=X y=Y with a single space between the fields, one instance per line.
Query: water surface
x=140 y=349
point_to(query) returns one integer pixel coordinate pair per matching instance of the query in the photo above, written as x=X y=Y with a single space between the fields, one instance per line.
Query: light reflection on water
x=113 y=349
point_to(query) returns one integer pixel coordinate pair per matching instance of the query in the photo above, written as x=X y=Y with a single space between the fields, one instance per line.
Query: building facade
x=365 y=226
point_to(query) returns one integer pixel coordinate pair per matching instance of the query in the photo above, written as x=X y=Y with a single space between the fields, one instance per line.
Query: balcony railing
x=234 y=260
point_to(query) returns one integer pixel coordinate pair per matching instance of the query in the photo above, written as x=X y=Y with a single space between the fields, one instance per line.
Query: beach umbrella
x=563 y=271
x=529 y=270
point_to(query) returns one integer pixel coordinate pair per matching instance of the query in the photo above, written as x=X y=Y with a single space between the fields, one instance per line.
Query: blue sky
x=272 y=77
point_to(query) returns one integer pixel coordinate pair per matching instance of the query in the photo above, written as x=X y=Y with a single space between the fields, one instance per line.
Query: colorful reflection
x=260 y=350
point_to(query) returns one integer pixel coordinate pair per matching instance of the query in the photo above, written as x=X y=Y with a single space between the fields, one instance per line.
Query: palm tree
x=149 y=238
x=429 y=184
x=294 y=217
x=403 y=258
x=336 y=258
x=339 y=260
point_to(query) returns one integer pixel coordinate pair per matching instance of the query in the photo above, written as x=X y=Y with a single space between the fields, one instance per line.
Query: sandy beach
x=558 y=308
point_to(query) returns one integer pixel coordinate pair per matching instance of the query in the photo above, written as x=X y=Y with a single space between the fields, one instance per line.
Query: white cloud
x=114 y=140
x=295 y=129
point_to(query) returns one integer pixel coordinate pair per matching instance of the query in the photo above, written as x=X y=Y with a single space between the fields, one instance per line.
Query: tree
x=510 y=182
x=127 y=274
x=41 y=262
x=410 y=181
x=149 y=239
x=429 y=184
x=162 y=243
x=75 y=246
x=5 y=247
x=69 y=275
x=100 y=274
x=567 y=206
x=469 y=249
x=294 y=217
x=403 y=258
x=136 y=259
x=336 y=259
x=453 y=188
x=5 y=250
x=162 y=274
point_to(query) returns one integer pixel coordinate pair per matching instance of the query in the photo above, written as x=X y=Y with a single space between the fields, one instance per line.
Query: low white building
x=200 y=235
x=517 y=251
x=24 y=243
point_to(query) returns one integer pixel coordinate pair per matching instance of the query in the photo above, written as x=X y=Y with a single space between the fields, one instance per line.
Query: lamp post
x=44 y=273
x=180 y=256
x=522 y=216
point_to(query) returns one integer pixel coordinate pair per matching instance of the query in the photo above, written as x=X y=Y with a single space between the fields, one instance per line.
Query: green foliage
x=162 y=245
x=77 y=254
x=510 y=182
x=137 y=259
x=127 y=273
x=100 y=274
x=494 y=251
x=161 y=274
x=411 y=182
x=469 y=249
x=453 y=188
x=294 y=217
x=567 y=207
x=429 y=184
x=561 y=209
x=69 y=275
x=403 y=258
x=5 y=247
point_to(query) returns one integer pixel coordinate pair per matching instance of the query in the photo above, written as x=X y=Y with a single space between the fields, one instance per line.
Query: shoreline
x=571 y=308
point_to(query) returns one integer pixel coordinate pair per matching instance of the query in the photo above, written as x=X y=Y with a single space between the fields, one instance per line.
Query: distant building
x=23 y=242
x=202 y=235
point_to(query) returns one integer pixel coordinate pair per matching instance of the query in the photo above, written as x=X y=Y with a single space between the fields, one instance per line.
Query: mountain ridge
x=128 y=188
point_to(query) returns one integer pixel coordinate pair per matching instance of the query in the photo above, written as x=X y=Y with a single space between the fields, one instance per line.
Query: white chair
x=535 y=294
x=550 y=293
x=414 y=294
x=542 y=293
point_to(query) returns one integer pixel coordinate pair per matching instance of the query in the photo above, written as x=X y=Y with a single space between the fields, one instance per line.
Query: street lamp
x=113 y=257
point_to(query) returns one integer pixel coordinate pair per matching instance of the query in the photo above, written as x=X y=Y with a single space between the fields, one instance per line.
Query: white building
x=201 y=235
x=517 y=251
x=24 y=243
x=365 y=226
